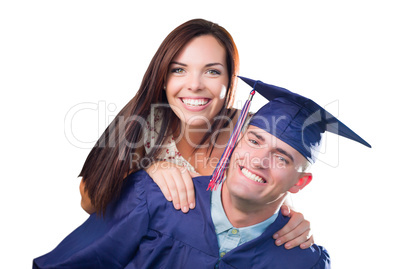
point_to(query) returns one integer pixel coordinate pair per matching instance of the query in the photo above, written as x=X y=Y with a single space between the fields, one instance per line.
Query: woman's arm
x=85 y=200
x=175 y=182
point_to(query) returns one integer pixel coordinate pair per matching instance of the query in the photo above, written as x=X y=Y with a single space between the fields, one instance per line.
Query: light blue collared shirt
x=230 y=237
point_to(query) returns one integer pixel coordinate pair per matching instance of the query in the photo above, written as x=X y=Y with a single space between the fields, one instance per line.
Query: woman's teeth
x=252 y=176
x=195 y=102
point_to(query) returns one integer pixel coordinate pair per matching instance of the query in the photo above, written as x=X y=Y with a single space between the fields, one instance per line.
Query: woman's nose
x=195 y=83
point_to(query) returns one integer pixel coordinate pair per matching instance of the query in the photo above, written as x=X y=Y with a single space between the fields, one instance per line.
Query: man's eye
x=281 y=159
x=252 y=141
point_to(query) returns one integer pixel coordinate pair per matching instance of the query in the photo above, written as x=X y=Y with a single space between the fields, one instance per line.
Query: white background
x=57 y=56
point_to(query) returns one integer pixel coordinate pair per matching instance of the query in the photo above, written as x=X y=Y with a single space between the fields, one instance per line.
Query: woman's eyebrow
x=178 y=63
x=207 y=65
x=212 y=64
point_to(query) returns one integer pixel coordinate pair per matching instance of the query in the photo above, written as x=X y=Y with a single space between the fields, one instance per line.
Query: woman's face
x=197 y=81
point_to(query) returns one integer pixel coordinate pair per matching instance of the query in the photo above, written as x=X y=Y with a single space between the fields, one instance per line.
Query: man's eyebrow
x=284 y=152
x=280 y=150
x=257 y=136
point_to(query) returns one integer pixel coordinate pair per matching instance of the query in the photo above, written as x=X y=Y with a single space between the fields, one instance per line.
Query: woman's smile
x=195 y=103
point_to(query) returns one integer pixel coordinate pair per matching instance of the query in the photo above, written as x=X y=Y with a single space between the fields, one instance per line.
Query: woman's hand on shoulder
x=296 y=232
x=175 y=182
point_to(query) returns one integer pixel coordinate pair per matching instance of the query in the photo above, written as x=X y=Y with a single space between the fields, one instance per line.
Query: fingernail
x=192 y=205
x=169 y=198
x=278 y=242
x=177 y=206
x=302 y=245
x=287 y=245
x=276 y=236
x=185 y=209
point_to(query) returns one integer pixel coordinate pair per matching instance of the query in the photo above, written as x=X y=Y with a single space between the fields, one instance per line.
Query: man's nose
x=262 y=160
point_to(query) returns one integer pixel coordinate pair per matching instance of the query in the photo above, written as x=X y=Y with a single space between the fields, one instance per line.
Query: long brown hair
x=109 y=160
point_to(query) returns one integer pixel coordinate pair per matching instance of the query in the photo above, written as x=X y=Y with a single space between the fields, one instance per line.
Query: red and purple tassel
x=219 y=171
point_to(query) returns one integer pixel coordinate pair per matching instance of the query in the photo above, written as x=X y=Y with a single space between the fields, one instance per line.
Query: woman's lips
x=195 y=104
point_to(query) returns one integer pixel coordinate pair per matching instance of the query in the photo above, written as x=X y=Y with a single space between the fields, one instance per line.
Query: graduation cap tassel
x=219 y=171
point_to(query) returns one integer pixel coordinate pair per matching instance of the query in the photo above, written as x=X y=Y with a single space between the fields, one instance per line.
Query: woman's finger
x=188 y=181
x=295 y=220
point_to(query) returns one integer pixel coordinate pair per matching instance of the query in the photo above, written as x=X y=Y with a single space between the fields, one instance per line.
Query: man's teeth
x=252 y=176
x=195 y=102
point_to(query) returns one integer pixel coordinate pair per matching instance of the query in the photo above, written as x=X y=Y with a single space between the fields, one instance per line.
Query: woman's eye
x=213 y=72
x=178 y=70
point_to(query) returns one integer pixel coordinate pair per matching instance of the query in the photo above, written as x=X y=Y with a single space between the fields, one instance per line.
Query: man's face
x=263 y=168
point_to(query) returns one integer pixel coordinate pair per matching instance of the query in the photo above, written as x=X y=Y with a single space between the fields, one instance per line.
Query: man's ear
x=303 y=181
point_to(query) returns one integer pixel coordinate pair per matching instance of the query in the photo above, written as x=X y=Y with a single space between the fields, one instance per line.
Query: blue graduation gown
x=143 y=230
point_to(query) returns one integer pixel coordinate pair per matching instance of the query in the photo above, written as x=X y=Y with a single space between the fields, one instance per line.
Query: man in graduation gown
x=231 y=227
